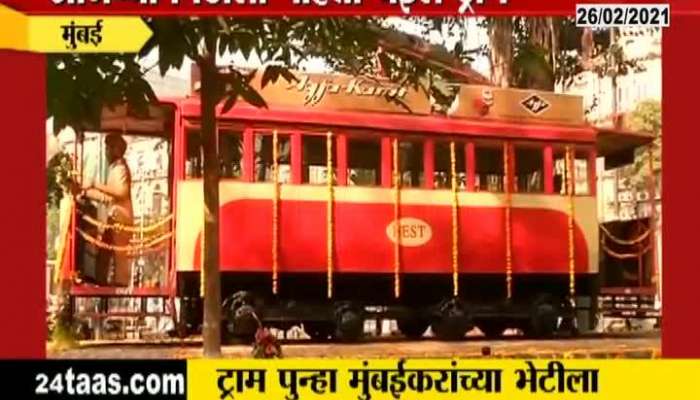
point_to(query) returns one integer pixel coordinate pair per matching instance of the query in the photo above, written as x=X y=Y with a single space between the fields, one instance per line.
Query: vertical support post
x=297 y=158
x=470 y=157
x=179 y=152
x=275 y=212
x=548 y=169
x=455 y=221
x=386 y=162
x=429 y=163
x=513 y=187
x=73 y=238
x=248 y=155
x=397 y=217
x=341 y=142
x=508 y=200
x=592 y=172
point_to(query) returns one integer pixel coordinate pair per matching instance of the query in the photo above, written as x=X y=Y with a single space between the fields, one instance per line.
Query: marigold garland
x=625 y=256
x=508 y=205
x=329 y=212
x=570 y=192
x=275 y=213
x=124 y=249
x=397 y=212
x=126 y=228
x=622 y=242
x=455 y=222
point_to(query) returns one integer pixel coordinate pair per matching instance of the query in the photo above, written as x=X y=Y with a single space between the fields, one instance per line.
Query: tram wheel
x=318 y=330
x=241 y=320
x=492 y=329
x=189 y=317
x=349 y=323
x=413 y=328
x=543 y=318
x=452 y=320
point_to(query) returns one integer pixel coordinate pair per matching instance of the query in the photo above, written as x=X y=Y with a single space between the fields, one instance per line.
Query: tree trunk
x=501 y=42
x=211 y=330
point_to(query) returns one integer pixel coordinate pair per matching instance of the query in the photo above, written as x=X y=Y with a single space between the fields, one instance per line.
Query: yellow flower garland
x=126 y=228
x=124 y=249
x=455 y=222
x=397 y=212
x=570 y=192
x=508 y=205
x=329 y=212
x=275 y=213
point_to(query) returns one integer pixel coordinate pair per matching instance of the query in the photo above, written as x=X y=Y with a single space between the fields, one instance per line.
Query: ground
x=632 y=345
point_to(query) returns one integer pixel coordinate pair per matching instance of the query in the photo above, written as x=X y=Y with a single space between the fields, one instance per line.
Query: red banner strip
x=331 y=7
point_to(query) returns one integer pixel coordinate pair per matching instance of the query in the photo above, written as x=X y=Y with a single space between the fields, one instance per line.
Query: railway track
x=617 y=345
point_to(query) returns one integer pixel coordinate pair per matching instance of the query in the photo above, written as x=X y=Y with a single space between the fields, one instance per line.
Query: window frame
x=589 y=153
x=343 y=137
x=367 y=136
x=543 y=148
x=501 y=145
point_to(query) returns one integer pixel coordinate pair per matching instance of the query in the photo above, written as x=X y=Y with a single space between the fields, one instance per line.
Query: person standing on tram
x=116 y=195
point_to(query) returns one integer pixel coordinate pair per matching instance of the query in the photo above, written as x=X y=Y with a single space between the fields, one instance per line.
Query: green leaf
x=270 y=74
x=252 y=96
x=230 y=102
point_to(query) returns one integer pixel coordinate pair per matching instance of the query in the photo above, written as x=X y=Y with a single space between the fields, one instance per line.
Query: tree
x=80 y=86
x=646 y=117
x=540 y=52
x=346 y=44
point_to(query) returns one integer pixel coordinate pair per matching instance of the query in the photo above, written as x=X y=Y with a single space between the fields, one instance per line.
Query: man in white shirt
x=116 y=195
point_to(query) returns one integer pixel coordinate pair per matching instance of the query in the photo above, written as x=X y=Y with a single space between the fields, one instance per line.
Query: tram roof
x=359 y=103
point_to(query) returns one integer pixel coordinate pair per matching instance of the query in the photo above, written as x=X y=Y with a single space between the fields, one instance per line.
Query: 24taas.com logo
x=96 y=384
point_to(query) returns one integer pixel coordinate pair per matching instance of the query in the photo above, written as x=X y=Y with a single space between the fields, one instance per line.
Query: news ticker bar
x=379 y=379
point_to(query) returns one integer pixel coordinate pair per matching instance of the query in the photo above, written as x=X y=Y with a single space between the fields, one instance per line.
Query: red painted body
x=540 y=241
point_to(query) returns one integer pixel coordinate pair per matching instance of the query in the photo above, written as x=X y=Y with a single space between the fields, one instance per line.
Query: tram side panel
x=365 y=236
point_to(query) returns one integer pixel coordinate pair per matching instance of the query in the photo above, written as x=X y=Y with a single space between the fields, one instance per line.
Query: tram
x=350 y=198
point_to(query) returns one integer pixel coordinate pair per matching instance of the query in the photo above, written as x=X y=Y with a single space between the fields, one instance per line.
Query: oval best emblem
x=410 y=232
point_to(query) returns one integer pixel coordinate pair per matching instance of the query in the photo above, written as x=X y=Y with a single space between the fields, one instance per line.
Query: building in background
x=608 y=102
x=603 y=97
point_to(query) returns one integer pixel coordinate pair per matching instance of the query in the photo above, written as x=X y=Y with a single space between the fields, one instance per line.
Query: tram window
x=411 y=163
x=488 y=172
x=364 y=162
x=194 y=163
x=581 y=183
x=315 y=159
x=230 y=154
x=264 y=161
x=443 y=166
x=581 y=173
x=529 y=169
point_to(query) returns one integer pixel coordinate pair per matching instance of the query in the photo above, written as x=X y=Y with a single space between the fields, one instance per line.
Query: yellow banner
x=309 y=379
x=64 y=34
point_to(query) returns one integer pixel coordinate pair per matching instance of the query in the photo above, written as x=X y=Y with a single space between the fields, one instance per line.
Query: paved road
x=595 y=346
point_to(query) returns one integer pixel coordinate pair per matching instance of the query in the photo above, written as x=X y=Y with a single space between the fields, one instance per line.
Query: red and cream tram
x=482 y=215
